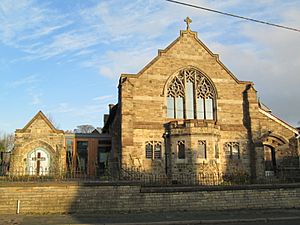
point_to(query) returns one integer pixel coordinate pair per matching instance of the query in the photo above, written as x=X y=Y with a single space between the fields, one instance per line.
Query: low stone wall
x=71 y=197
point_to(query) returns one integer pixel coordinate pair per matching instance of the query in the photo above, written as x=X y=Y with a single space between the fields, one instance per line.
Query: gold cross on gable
x=188 y=21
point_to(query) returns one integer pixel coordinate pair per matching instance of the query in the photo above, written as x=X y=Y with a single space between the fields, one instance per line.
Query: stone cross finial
x=188 y=21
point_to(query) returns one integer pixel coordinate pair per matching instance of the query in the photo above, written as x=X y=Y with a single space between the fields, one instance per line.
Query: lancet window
x=153 y=149
x=202 y=150
x=181 y=150
x=232 y=150
x=190 y=95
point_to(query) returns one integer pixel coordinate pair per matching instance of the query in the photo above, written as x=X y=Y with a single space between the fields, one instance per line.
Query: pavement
x=263 y=216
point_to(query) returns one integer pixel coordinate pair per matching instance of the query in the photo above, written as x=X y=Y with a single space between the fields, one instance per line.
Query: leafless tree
x=52 y=120
x=84 y=129
x=7 y=142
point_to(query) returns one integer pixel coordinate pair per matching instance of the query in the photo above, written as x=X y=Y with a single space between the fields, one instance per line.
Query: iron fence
x=146 y=178
x=138 y=175
x=281 y=175
x=33 y=175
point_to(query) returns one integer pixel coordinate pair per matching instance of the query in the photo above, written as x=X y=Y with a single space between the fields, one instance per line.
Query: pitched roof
x=161 y=52
x=276 y=119
x=41 y=115
x=264 y=107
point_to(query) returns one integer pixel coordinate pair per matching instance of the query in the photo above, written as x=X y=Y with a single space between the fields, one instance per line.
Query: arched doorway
x=270 y=159
x=271 y=145
x=38 y=162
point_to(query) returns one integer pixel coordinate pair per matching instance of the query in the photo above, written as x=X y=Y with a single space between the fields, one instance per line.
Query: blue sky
x=65 y=57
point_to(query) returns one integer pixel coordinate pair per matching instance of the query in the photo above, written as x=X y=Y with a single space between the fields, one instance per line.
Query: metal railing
x=282 y=175
x=32 y=175
x=139 y=175
x=147 y=178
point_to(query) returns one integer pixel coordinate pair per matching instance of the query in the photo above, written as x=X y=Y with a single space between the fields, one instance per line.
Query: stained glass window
x=153 y=149
x=149 y=150
x=232 y=150
x=191 y=95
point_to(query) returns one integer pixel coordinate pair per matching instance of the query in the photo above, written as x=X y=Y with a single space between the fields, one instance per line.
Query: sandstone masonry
x=39 y=198
x=185 y=112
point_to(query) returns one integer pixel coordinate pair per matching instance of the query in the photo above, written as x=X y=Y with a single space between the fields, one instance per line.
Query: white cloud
x=62 y=107
x=266 y=55
x=36 y=29
x=25 y=16
x=118 y=62
x=27 y=80
x=86 y=113
x=30 y=84
x=66 y=42
x=115 y=37
x=44 y=31
x=103 y=98
x=107 y=72
x=35 y=95
x=270 y=57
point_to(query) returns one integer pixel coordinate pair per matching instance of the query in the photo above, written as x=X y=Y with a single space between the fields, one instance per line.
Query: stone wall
x=66 y=197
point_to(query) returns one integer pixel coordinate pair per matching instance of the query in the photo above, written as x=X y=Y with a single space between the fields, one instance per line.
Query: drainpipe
x=298 y=148
x=167 y=152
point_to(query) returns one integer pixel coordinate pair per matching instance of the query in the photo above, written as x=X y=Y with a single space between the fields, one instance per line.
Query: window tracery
x=232 y=150
x=191 y=95
x=153 y=149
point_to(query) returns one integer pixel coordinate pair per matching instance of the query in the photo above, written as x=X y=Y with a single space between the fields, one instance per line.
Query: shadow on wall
x=269 y=153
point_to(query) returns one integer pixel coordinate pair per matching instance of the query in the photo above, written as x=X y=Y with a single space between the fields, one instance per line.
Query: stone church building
x=186 y=112
x=183 y=113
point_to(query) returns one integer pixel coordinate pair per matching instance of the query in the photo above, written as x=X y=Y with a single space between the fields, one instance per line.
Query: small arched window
x=181 y=150
x=191 y=95
x=153 y=149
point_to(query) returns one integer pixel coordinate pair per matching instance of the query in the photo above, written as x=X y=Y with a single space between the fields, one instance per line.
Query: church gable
x=188 y=47
x=39 y=124
x=151 y=87
x=186 y=51
x=38 y=147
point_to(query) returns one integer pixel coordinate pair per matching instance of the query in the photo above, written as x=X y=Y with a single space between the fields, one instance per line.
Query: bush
x=236 y=177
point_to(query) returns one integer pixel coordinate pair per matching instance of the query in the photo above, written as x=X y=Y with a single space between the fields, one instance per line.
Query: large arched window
x=191 y=95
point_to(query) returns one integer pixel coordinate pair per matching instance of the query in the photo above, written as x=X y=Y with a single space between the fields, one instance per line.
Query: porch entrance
x=38 y=162
x=272 y=143
x=270 y=160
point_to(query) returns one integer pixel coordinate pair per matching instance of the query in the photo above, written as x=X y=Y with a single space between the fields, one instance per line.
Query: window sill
x=183 y=123
x=206 y=161
x=153 y=159
x=181 y=161
x=191 y=120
